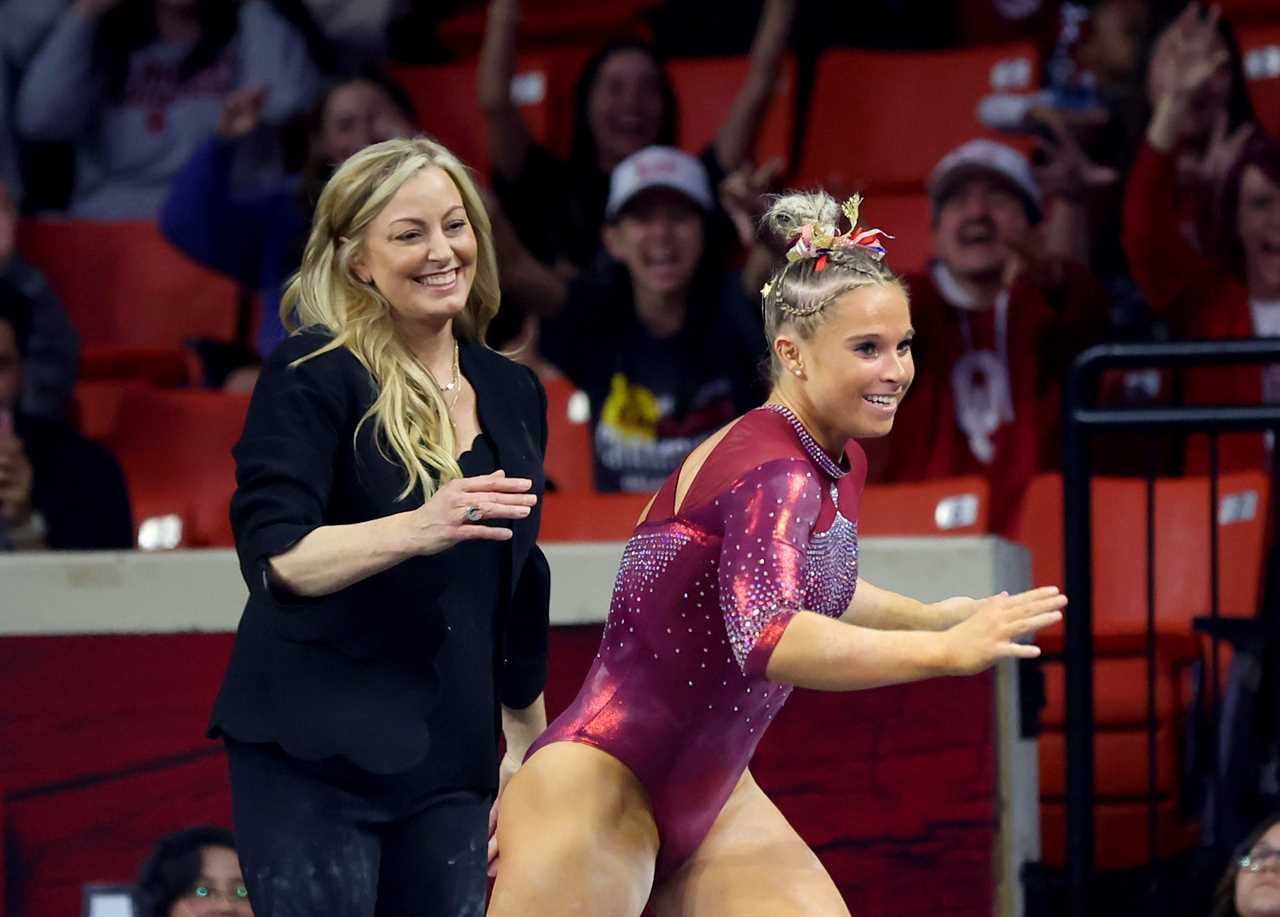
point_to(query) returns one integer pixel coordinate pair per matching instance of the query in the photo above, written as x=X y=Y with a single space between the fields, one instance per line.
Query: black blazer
x=352 y=673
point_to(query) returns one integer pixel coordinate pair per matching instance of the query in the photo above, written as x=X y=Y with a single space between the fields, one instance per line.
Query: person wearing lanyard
x=1002 y=309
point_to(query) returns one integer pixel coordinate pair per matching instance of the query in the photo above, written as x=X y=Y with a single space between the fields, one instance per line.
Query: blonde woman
x=737 y=585
x=385 y=520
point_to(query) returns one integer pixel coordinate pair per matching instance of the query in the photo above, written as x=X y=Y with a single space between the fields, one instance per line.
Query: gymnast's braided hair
x=823 y=263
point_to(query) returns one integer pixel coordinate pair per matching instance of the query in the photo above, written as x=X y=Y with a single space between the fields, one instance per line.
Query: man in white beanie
x=999 y=314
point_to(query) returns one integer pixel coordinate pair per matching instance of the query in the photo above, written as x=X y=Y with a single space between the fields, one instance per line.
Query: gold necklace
x=453 y=385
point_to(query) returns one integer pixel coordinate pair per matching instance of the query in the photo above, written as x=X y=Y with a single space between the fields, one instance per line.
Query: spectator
x=53 y=349
x=1249 y=887
x=666 y=344
x=623 y=102
x=258 y=239
x=137 y=84
x=192 y=872
x=57 y=489
x=1004 y=307
x=1201 y=116
x=1226 y=290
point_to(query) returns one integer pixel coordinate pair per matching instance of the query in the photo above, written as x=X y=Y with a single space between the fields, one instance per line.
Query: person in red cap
x=1001 y=311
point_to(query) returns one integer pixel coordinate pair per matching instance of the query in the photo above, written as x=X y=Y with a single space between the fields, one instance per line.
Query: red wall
x=102 y=749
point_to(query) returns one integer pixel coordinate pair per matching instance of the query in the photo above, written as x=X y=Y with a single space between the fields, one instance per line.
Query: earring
x=798 y=371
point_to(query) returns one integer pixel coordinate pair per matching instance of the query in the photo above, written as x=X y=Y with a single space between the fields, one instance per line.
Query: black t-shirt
x=557 y=207
x=77 y=486
x=654 y=399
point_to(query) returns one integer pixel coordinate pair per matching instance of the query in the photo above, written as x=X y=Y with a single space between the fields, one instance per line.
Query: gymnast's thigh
x=576 y=836
x=751 y=864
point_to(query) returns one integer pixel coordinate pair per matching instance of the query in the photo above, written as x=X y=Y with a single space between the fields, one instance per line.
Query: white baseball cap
x=978 y=156
x=658 y=167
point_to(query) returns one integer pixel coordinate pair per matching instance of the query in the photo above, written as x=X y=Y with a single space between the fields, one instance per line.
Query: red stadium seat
x=882 y=120
x=1261 y=47
x=706 y=88
x=948 y=506
x=124 y=284
x=1119 y=833
x=1119 y=624
x=175 y=447
x=445 y=98
x=569 y=457
x=98 y=404
x=590 y=516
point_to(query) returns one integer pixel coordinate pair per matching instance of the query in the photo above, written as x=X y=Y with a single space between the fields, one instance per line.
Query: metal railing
x=1082 y=423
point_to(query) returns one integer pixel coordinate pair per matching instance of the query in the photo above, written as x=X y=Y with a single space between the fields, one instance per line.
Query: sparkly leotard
x=677 y=691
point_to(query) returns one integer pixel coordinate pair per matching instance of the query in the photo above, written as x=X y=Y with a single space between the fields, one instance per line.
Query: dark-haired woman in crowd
x=1201 y=115
x=257 y=239
x=138 y=84
x=1251 y=885
x=192 y=873
x=623 y=102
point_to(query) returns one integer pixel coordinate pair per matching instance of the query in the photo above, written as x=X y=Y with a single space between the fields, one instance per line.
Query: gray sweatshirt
x=130 y=146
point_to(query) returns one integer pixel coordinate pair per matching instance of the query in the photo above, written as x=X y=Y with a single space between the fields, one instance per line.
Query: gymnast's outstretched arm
x=817 y=652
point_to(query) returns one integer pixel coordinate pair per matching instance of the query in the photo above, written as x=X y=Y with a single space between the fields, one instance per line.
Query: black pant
x=327 y=839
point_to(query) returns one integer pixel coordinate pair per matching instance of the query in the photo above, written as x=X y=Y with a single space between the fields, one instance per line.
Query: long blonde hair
x=800 y=290
x=410 y=413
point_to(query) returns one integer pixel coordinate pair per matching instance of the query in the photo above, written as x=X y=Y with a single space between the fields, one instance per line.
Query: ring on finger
x=473 y=514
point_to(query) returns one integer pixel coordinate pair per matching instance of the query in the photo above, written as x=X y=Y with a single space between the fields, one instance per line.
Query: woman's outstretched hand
x=991 y=631
x=463 y=508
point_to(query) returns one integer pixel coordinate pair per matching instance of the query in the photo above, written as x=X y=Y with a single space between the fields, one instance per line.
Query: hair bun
x=792 y=210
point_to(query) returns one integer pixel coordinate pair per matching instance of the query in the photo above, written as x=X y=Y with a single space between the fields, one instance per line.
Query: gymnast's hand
x=464 y=509
x=990 y=633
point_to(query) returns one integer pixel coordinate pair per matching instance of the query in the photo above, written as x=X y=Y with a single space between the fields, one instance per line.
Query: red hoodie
x=1197 y=295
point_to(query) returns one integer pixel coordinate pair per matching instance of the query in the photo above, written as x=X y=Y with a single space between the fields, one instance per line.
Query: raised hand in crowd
x=1064 y=171
x=1190 y=81
x=242 y=112
x=742 y=195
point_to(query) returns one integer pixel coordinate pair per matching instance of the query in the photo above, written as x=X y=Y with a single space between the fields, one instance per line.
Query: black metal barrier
x=1082 y=421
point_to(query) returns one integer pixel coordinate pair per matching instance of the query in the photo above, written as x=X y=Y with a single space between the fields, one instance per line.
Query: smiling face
x=1258 y=893
x=1258 y=223
x=976 y=225
x=659 y=237
x=624 y=107
x=420 y=251
x=855 y=368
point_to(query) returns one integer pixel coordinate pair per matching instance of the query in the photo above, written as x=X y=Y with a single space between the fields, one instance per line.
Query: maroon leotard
x=677 y=692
